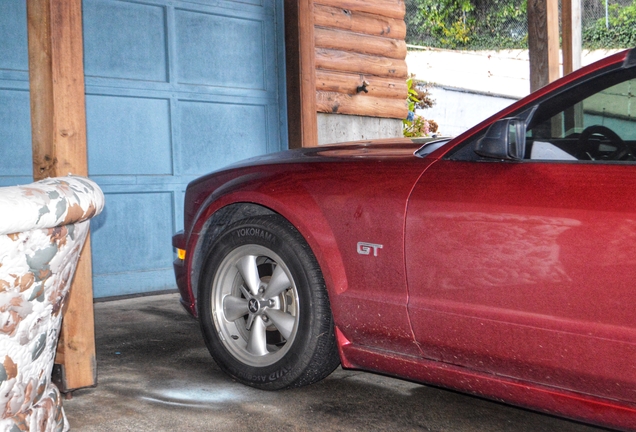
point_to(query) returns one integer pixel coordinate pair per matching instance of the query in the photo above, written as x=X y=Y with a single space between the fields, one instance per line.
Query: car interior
x=600 y=127
x=592 y=121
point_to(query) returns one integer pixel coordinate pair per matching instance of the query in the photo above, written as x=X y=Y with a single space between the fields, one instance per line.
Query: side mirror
x=504 y=139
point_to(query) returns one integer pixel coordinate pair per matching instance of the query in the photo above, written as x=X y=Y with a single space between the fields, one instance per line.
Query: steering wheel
x=585 y=149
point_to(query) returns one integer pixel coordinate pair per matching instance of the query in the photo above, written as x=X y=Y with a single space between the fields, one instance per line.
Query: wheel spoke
x=257 y=343
x=234 y=308
x=250 y=320
x=284 y=322
x=249 y=271
x=248 y=295
x=277 y=284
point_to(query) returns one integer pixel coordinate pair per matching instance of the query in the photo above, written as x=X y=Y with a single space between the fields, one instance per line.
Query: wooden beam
x=58 y=122
x=343 y=61
x=76 y=348
x=571 y=35
x=300 y=59
x=363 y=105
x=292 y=67
x=348 y=83
x=543 y=42
x=388 y=8
x=363 y=44
x=301 y=73
x=359 y=22
x=571 y=48
x=307 y=73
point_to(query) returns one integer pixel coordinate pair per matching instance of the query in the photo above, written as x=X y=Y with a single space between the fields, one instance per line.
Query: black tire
x=258 y=332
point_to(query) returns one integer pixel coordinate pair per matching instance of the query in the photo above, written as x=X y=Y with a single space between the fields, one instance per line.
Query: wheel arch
x=212 y=228
x=317 y=234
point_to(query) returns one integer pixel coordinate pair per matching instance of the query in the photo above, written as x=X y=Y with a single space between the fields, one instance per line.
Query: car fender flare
x=318 y=235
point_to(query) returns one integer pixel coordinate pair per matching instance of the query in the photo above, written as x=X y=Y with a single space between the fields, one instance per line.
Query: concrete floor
x=155 y=374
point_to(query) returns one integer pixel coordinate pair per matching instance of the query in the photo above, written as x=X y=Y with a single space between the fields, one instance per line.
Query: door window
x=593 y=120
x=600 y=127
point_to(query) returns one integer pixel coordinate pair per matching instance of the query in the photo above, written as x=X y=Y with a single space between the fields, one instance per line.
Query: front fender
x=293 y=202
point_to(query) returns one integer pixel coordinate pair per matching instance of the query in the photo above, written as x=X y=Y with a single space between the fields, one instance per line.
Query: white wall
x=335 y=128
x=457 y=110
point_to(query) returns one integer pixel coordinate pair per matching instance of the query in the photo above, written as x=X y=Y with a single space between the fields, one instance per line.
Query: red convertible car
x=500 y=263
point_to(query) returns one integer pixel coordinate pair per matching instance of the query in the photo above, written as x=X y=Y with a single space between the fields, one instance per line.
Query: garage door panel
x=220 y=51
x=231 y=4
x=174 y=89
x=214 y=135
x=136 y=226
x=125 y=40
x=133 y=283
x=13 y=35
x=277 y=133
x=15 y=117
x=128 y=136
x=15 y=132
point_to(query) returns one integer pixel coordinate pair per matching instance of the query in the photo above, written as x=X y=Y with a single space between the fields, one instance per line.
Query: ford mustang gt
x=500 y=263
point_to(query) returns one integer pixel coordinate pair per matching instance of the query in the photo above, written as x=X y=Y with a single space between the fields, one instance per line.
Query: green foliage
x=469 y=24
x=418 y=98
x=412 y=96
x=502 y=24
x=621 y=32
x=419 y=127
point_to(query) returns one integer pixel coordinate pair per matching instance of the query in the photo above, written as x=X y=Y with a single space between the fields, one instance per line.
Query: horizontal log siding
x=363 y=44
x=359 y=22
x=333 y=60
x=339 y=103
x=384 y=8
x=356 y=42
x=347 y=83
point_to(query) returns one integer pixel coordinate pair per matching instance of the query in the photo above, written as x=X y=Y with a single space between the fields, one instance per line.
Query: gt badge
x=366 y=248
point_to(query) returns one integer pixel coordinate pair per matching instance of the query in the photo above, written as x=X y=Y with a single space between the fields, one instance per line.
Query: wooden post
x=571 y=46
x=571 y=37
x=543 y=42
x=58 y=117
x=292 y=67
x=301 y=73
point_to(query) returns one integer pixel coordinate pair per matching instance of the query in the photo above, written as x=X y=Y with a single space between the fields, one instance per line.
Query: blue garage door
x=174 y=90
x=15 y=123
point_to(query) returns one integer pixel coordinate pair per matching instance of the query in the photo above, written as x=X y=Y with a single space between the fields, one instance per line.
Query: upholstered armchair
x=43 y=227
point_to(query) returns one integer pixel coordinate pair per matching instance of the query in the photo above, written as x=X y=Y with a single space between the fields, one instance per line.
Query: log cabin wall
x=360 y=62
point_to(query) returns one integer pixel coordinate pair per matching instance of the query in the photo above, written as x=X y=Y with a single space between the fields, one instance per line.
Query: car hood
x=395 y=148
x=394 y=156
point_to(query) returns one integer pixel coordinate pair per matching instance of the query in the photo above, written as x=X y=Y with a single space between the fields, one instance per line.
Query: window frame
x=550 y=105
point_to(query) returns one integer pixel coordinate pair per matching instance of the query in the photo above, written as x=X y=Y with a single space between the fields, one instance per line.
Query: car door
x=527 y=269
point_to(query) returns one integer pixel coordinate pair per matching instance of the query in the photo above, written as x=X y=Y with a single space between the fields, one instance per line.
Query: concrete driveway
x=155 y=374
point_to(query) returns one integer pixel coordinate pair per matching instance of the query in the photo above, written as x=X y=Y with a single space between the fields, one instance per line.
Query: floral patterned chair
x=43 y=227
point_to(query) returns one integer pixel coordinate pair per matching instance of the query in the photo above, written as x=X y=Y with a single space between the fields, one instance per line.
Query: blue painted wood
x=128 y=136
x=221 y=51
x=15 y=121
x=125 y=40
x=15 y=132
x=174 y=89
x=133 y=246
x=13 y=36
x=220 y=2
x=241 y=127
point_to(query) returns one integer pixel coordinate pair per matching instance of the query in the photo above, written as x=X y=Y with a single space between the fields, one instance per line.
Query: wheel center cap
x=253 y=306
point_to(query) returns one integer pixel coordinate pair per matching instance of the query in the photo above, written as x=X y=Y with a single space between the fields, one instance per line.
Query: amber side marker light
x=181 y=254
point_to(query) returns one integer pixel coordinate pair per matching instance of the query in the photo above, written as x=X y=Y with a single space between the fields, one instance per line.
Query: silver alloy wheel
x=255 y=305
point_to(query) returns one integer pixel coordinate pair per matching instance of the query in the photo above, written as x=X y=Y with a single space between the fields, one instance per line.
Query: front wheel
x=263 y=306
